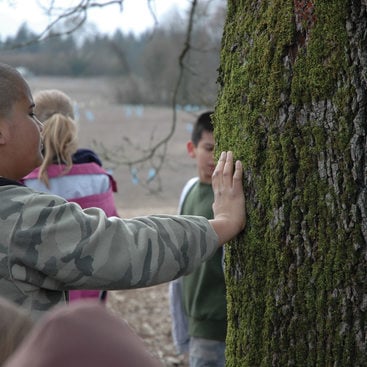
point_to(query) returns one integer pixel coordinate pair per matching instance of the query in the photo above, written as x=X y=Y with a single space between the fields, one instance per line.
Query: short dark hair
x=203 y=123
x=11 y=88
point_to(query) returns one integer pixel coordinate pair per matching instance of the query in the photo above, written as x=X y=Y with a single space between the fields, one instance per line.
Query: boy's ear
x=191 y=149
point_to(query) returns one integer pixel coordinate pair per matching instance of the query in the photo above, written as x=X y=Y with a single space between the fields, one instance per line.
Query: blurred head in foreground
x=15 y=324
x=82 y=334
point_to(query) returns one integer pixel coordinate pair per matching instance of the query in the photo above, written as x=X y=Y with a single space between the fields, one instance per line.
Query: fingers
x=218 y=172
x=229 y=200
x=223 y=174
x=237 y=177
x=228 y=170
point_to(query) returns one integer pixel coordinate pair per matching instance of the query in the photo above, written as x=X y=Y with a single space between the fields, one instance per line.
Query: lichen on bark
x=293 y=107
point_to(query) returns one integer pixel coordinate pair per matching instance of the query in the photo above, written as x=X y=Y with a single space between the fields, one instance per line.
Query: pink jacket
x=103 y=200
x=82 y=178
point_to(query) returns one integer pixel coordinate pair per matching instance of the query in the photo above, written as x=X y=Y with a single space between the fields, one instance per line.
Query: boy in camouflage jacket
x=49 y=246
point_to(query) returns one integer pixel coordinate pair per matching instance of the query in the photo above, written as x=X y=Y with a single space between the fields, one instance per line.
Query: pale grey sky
x=135 y=16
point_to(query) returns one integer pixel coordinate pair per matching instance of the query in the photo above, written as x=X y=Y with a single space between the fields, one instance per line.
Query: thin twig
x=78 y=10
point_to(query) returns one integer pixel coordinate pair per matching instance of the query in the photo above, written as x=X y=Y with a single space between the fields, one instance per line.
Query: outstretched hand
x=229 y=199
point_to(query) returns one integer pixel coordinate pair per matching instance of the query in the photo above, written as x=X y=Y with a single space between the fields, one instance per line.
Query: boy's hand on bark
x=229 y=199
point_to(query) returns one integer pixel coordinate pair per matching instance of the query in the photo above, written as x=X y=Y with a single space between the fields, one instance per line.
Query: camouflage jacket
x=48 y=246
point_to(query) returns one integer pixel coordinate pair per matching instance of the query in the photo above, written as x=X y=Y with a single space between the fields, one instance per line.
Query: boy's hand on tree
x=229 y=199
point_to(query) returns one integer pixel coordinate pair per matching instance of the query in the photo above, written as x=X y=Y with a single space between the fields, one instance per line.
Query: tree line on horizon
x=145 y=66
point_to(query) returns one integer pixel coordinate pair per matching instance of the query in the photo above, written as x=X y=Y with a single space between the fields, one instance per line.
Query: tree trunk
x=293 y=108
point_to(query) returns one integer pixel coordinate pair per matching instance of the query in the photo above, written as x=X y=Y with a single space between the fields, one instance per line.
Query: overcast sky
x=135 y=15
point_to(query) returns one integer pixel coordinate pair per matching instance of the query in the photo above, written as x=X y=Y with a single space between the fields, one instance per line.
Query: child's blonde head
x=55 y=109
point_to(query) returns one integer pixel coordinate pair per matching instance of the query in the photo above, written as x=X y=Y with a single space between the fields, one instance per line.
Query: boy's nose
x=212 y=158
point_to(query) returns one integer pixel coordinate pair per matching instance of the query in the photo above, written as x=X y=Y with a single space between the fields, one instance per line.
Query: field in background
x=102 y=120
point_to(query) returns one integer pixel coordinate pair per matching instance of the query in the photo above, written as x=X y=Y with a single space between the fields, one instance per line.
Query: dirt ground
x=135 y=128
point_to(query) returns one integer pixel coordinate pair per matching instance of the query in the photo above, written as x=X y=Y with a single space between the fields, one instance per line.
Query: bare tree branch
x=154 y=152
x=77 y=13
x=76 y=16
x=181 y=59
x=152 y=12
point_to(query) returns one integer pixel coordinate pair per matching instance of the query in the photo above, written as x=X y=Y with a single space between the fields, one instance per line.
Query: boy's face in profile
x=204 y=155
x=20 y=137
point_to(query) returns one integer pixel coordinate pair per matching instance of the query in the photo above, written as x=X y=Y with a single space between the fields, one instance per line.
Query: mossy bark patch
x=293 y=108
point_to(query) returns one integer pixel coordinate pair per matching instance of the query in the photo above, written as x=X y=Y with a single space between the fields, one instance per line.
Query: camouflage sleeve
x=56 y=245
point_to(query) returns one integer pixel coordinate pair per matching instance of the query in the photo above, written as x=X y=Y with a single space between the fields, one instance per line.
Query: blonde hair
x=15 y=324
x=55 y=109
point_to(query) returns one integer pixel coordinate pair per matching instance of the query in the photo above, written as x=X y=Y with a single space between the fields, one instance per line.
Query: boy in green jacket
x=49 y=246
x=204 y=290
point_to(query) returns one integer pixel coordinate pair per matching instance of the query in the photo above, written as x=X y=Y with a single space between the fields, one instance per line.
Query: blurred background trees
x=144 y=66
x=173 y=65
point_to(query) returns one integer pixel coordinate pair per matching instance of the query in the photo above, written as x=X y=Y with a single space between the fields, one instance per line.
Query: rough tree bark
x=293 y=108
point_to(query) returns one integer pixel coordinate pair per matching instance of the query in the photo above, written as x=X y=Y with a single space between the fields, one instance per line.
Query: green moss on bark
x=285 y=110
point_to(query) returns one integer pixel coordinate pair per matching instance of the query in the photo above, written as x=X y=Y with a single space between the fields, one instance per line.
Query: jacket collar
x=6 y=181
